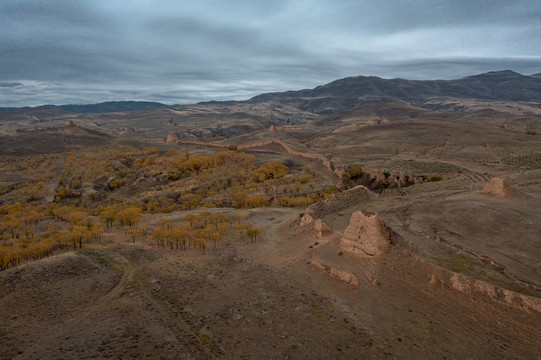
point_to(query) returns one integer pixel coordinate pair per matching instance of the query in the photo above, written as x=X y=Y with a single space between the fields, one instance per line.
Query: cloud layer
x=61 y=51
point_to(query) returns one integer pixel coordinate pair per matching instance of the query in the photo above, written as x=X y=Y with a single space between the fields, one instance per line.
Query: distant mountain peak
x=502 y=72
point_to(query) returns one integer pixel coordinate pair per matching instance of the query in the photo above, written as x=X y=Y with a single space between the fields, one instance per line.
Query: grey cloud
x=10 y=84
x=63 y=51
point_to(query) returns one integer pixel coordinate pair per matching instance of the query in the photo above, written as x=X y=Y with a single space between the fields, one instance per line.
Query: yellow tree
x=190 y=201
x=241 y=229
x=63 y=238
x=75 y=216
x=130 y=216
x=96 y=229
x=159 y=234
x=239 y=199
x=79 y=232
x=135 y=232
x=3 y=228
x=253 y=232
x=215 y=237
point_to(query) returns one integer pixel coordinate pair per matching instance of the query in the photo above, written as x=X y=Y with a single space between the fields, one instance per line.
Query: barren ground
x=461 y=278
x=248 y=300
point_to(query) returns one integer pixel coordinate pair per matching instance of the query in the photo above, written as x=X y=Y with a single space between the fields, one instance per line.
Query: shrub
x=531 y=132
x=354 y=171
x=434 y=178
x=116 y=183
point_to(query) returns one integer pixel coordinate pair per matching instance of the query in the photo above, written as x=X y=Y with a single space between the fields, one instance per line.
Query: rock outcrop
x=322 y=229
x=365 y=235
x=70 y=123
x=497 y=187
x=273 y=128
x=171 y=138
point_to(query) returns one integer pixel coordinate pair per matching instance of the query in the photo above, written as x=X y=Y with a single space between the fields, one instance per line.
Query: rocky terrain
x=425 y=245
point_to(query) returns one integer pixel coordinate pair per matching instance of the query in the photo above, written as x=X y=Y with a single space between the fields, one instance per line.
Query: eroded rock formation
x=273 y=128
x=365 y=235
x=319 y=227
x=497 y=187
x=322 y=229
x=171 y=138
x=305 y=220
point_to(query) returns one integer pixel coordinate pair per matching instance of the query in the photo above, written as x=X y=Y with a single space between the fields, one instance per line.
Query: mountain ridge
x=504 y=85
x=98 y=108
x=495 y=85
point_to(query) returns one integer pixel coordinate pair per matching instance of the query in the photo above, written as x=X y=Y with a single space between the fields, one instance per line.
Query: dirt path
x=51 y=186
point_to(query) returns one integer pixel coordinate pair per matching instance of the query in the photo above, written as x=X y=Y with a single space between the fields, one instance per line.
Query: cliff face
x=365 y=235
x=497 y=187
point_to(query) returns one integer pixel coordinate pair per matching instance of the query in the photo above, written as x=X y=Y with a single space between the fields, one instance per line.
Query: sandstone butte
x=273 y=128
x=497 y=187
x=365 y=235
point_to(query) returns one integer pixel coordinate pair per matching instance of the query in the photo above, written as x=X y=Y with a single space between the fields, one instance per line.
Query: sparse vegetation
x=354 y=171
x=118 y=185
x=200 y=248
x=434 y=178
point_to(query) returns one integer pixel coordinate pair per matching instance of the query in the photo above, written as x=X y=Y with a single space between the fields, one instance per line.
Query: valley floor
x=247 y=300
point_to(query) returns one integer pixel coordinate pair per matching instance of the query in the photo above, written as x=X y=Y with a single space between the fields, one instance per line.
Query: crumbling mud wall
x=498 y=187
x=382 y=182
x=344 y=276
x=365 y=235
x=318 y=227
x=171 y=138
x=442 y=278
x=337 y=202
x=374 y=180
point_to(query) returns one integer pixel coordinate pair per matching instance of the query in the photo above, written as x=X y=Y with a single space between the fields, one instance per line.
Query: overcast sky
x=176 y=51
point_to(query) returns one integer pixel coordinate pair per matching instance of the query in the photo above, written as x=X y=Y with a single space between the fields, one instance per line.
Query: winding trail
x=335 y=167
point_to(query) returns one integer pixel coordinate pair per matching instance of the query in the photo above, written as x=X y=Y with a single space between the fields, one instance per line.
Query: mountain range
x=100 y=108
x=506 y=97
x=498 y=85
x=491 y=86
